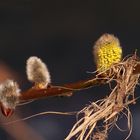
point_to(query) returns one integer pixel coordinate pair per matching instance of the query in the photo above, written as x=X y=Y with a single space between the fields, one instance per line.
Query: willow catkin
x=37 y=71
x=107 y=51
x=9 y=94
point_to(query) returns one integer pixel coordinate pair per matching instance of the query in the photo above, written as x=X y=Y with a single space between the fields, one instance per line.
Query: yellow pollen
x=107 y=51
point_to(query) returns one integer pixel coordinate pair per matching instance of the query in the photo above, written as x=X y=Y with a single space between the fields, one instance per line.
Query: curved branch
x=64 y=90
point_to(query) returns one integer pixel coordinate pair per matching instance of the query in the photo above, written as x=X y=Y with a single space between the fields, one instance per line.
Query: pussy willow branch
x=66 y=89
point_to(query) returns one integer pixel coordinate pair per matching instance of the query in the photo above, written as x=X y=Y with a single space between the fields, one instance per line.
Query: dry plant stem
x=137 y=68
x=66 y=89
x=107 y=110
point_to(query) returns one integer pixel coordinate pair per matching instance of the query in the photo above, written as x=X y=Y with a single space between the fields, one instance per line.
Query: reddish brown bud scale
x=7 y=112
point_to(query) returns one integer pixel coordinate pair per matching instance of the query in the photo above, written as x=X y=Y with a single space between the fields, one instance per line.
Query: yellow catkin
x=107 y=51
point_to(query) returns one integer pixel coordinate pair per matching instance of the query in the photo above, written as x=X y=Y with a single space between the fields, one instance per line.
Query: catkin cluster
x=37 y=73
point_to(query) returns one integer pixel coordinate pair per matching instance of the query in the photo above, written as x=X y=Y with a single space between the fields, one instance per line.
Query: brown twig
x=66 y=89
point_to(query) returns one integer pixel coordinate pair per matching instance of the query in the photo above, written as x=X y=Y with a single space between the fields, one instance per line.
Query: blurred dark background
x=62 y=33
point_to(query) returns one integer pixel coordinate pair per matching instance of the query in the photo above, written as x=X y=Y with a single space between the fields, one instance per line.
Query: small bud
x=37 y=72
x=9 y=96
x=6 y=111
x=107 y=51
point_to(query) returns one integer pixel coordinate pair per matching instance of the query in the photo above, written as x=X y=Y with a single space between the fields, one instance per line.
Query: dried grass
x=97 y=119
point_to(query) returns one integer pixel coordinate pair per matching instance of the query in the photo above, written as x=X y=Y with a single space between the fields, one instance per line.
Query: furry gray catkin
x=9 y=94
x=37 y=71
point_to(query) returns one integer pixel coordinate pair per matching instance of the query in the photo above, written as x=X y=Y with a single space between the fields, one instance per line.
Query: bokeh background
x=62 y=33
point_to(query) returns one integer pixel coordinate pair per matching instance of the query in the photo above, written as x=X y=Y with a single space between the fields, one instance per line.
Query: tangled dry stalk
x=100 y=116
